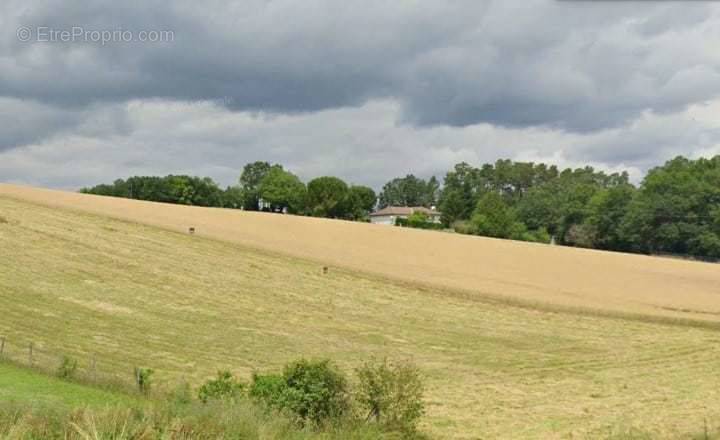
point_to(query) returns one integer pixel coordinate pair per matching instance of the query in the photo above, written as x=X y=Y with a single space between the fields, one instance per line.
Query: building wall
x=383 y=220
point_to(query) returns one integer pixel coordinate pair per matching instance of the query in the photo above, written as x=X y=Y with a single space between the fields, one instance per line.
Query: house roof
x=404 y=210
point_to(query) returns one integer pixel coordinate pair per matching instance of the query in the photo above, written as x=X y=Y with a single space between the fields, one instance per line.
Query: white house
x=388 y=215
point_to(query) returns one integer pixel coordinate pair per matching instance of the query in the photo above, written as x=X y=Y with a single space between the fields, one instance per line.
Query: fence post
x=30 y=354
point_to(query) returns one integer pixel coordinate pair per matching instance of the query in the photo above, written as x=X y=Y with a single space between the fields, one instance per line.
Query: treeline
x=674 y=210
x=262 y=186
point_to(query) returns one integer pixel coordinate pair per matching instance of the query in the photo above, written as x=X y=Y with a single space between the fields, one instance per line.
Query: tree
x=459 y=195
x=233 y=197
x=391 y=394
x=360 y=202
x=606 y=212
x=676 y=209
x=494 y=218
x=250 y=180
x=409 y=191
x=283 y=190
x=327 y=197
x=180 y=189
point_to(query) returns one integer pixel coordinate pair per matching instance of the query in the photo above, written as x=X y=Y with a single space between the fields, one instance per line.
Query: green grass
x=129 y=295
x=24 y=386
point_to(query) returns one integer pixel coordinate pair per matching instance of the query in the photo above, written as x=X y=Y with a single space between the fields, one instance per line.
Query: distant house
x=388 y=215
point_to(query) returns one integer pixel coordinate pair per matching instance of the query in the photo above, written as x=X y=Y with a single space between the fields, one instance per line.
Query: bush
x=143 y=379
x=67 y=368
x=313 y=391
x=225 y=386
x=391 y=394
x=268 y=389
x=418 y=220
x=463 y=227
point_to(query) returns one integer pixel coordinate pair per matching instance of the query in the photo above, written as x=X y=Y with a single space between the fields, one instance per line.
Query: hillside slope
x=128 y=294
x=530 y=273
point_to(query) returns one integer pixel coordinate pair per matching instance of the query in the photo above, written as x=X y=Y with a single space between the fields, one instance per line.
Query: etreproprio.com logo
x=79 y=34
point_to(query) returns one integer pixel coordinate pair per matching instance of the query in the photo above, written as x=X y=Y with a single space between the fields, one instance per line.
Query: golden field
x=500 y=269
x=516 y=340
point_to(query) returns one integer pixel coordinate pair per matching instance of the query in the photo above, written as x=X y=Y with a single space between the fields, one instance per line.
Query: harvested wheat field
x=533 y=274
x=515 y=340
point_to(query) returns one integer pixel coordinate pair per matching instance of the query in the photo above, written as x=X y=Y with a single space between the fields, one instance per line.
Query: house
x=389 y=214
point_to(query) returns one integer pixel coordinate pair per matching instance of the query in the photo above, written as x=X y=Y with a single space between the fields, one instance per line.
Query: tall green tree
x=606 y=211
x=494 y=218
x=283 y=191
x=360 y=202
x=250 y=180
x=327 y=197
x=409 y=191
x=458 y=198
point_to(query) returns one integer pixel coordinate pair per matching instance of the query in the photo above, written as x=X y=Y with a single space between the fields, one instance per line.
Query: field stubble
x=132 y=294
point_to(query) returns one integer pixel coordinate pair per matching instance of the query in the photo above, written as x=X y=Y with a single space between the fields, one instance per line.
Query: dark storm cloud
x=580 y=66
x=365 y=90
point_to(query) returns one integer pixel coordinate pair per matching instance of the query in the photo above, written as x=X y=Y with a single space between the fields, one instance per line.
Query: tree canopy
x=283 y=191
x=410 y=191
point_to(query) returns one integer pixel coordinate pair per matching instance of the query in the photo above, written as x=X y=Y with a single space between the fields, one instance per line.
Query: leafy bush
x=418 y=220
x=225 y=386
x=315 y=391
x=143 y=379
x=67 y=368
x=391 y=394
x=463 y=227
x=268 y=388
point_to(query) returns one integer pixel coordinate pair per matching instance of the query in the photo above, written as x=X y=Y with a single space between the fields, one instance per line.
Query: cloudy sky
x=365 y=90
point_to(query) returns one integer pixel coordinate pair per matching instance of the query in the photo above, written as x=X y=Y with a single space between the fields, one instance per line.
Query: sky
x=363 y=90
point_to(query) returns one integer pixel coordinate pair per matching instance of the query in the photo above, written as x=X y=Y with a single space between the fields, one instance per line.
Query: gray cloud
x=367 y=90
x=360 y=144
x=580 y=66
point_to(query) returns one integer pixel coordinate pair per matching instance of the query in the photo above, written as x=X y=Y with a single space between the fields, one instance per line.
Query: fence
x=89 y=369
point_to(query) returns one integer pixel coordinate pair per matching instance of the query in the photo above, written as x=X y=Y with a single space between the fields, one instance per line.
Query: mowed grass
x=26 y=387
x=128 y=294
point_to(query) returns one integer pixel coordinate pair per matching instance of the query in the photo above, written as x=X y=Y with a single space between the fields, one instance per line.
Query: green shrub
x=463 y=227
x=391 y=394
x=315 y=391
x=268 y=389
x=67 y=368
x=143 y=379
x=418 y=220
x=225 y=386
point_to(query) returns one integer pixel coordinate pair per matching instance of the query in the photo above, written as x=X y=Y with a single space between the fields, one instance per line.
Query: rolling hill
x=514 y=339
